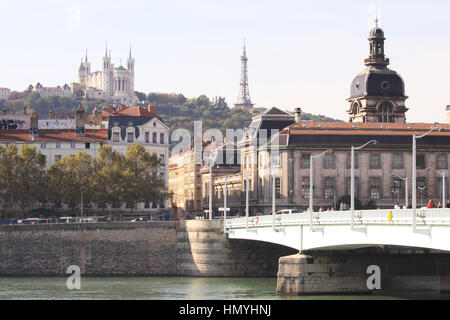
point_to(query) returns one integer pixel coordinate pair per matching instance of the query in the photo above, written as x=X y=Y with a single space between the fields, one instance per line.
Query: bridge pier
x=302 y=274
x=346 y=272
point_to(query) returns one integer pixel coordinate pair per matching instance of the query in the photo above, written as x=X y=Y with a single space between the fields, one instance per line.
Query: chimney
x=34 y=132
x=448 y=113
x=152 y=109
x=51 y=114
x=111 y=109
x=80 y=121
x=298 y=114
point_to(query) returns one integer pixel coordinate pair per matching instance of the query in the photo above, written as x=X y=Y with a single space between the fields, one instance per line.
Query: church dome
x=377 y=82
x=376 y=32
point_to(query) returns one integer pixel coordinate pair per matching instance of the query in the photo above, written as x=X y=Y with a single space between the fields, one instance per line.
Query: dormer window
x=115 y=136
x=130 y=137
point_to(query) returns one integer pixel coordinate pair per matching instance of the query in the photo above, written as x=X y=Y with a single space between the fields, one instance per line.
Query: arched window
x=385 y=112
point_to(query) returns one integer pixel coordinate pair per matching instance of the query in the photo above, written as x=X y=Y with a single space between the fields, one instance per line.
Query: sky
x=301 y=53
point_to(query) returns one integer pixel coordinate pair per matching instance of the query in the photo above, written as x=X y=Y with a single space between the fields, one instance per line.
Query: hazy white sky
x=301 y=53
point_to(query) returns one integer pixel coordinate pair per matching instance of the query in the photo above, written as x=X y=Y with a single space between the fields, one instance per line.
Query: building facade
x=115 y=84
x=58 y=137
x=383 y=171
x=4 y=93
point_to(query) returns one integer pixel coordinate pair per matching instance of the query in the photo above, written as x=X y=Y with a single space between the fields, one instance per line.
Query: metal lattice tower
x=244 y=95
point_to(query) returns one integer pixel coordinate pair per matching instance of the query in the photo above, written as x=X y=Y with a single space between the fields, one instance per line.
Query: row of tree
x=111 y=178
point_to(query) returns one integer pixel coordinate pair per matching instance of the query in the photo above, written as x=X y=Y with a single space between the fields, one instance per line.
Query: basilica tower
x=107 y=74
x=378 y=93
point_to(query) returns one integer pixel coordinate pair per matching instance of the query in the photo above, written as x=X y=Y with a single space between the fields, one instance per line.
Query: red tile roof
x=61 y=135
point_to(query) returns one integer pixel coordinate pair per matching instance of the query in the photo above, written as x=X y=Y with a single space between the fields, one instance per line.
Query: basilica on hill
x=115 y=84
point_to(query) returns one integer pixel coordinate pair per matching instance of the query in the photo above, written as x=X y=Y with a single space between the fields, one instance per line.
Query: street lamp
x=414 y=182
x=443 y=184
x=352 y=180
x=311 y=182
x=406 y=187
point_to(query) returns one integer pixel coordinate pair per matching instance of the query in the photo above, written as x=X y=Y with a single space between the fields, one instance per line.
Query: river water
x=162 y=288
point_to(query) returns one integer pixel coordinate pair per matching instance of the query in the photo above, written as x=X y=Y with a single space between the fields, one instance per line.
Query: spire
x=376 y=15
x=130 y=50
x=106 y=50
x=86 y=56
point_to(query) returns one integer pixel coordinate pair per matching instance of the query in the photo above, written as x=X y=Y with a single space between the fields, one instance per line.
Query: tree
x=140 y=96
x=140 y=179
x=108 y=176
x=71 y=177
x=347 y=200
x=21 y=173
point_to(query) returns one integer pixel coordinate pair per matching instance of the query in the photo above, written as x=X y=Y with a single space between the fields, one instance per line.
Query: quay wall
x=186 y=248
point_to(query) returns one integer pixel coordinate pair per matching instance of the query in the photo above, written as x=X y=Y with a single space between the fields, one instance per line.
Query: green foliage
x=347 y=200
x=109 y=178
x=21 y=175
x=42 y=105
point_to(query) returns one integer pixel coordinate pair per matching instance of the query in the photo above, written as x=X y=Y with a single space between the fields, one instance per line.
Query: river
x=163 y=288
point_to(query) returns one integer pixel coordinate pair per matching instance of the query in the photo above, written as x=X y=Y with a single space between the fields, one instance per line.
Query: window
x=57 y=157
x=58 y=145
x=328 y=161
x=442 y=161
x=155 y=137
x=161 y=138
x=375 y=161
x=385 y=112
x=43 y=145
x=397 y=161
x=349 y=160
x=305 y=187
x=161 y=157
x=375 y=188
x=329 y=187
x=115 y=136
x=147 y=137
x=277 y=188
x=420 y=161
x=130 y=136
x=305 y=160
x=72 y=145
x=87 y=145
x=348 y=186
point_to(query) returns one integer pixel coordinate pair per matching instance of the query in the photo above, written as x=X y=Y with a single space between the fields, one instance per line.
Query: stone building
x=4 y=93
x=57 y=137
x=115 y=84
x=377 y=112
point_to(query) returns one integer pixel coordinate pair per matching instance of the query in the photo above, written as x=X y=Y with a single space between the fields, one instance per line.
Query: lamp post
x=406 y=187
x=352 y=180
x=443 y=185
x=311 y=182
x=414 y=179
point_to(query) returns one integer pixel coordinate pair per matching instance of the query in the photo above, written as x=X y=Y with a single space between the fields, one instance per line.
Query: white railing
x=362 y=217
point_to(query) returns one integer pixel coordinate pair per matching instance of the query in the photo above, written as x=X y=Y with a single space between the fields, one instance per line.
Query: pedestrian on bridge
x=430 y=205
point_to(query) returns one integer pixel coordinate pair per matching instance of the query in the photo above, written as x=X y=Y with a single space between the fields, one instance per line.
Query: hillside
x=174 y=109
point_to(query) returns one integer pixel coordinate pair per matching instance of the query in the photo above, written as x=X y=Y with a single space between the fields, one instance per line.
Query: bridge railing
x=361 y=217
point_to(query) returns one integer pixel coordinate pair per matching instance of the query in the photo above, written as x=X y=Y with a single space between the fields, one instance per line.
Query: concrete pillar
x=305 y=275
